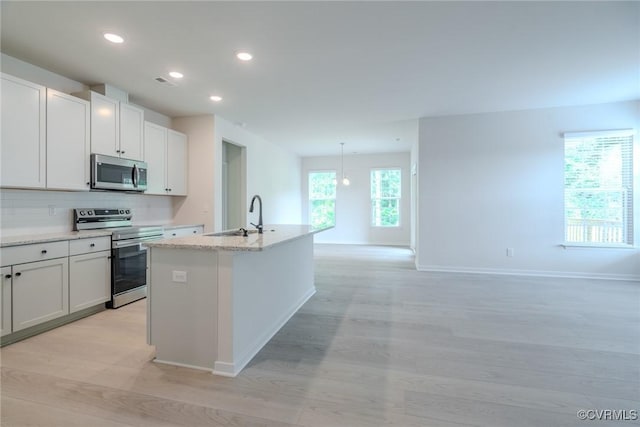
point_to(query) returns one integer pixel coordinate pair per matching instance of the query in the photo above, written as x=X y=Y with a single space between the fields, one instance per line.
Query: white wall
x=489 y=182
x=272 y=172
x=197 y=207
x=353 y=203
x=28 y=211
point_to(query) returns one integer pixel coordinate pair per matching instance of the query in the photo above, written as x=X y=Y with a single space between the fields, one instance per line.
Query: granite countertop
x=26 y=239
x=273 y=234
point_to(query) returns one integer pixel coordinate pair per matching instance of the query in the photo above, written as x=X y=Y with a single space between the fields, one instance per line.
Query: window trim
x=399 y=198
x=335 y=197
x=635 y=191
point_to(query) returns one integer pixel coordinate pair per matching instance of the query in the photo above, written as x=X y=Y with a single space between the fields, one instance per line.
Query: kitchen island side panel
x=183 y=314
x=267 y=289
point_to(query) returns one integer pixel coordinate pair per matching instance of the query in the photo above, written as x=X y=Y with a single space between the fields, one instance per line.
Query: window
x=385 y=197
x=598 y=187
x=322 y=198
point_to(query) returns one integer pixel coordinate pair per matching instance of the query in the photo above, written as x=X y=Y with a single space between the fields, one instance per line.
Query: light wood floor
x=379 y=344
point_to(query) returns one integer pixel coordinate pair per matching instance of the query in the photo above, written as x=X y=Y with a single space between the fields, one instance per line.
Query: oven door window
x=129 y=268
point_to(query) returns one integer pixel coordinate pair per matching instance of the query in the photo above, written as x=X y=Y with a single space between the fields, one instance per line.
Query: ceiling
x=330 y=72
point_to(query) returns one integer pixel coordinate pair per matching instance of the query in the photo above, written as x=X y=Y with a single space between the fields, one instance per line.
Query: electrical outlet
x=510 y=252
x=179 y=276
x=52 y=210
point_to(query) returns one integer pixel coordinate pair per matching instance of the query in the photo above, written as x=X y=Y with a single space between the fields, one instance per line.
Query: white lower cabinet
x=48 y=280
x=183 y=231
x=89 y=280
x=40 y=292
x=5 y=302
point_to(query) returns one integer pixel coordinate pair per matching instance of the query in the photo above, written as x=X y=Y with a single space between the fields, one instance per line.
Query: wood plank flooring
x=379 y=344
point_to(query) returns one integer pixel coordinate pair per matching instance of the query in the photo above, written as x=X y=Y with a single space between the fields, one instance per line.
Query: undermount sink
x=230 y=233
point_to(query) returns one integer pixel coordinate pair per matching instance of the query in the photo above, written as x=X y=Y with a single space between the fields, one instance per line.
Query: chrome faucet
x=259 y=225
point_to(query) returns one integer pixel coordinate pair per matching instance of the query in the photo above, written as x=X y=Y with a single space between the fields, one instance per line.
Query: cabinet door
x=5 y=302
x=155 y=154
x=176 y=163
x=105 y=125
x=68 y=141
x=22 y=151
x=40 y=292
x=131 y=132
x=89 y=280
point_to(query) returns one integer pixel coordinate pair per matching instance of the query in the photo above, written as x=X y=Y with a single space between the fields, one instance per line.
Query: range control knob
x=82 y=213
x=89 y=213
x=128 y=211
x=121 y=211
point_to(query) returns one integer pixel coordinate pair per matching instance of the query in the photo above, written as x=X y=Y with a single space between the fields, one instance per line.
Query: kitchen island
x=216 y=300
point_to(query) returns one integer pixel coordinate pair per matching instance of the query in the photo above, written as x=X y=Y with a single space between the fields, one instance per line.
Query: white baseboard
x=532 y=273
x=232 y=369
x=182 y=365
x=224 y=369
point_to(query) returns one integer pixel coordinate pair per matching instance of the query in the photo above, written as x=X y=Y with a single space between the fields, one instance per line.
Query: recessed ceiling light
x=113 y=38
x=176 y=74
x=244 y=56
x=215 y=98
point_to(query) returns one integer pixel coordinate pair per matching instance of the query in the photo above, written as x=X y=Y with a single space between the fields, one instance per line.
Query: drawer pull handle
x=44 y=251
x=7 y=276
x=18 y=274
x=93 y=245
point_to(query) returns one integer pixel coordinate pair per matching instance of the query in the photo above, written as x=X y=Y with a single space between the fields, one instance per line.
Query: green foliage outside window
x=322 y=199
x=385 y=197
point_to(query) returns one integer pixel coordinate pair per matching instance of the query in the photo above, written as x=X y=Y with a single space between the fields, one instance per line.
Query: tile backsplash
x=35 y=211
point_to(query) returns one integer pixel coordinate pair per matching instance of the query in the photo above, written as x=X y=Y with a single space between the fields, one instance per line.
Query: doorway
x=234 y=185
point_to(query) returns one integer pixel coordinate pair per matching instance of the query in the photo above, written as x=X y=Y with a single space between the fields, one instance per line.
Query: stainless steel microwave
x=114 y=173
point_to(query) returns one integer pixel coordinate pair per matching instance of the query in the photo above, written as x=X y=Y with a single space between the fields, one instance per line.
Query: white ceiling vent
x=165 y=82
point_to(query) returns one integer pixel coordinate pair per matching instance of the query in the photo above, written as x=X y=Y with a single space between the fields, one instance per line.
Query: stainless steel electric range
x=128 y=252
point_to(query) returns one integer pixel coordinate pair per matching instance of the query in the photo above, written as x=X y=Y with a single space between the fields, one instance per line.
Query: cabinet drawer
x=35 y=252
x=85 y=246
x=182 y=232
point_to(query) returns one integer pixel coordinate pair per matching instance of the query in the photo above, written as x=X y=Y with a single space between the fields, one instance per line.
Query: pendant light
x=345 y=179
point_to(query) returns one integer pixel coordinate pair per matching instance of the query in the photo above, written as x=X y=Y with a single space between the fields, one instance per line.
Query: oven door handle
x=129 y=243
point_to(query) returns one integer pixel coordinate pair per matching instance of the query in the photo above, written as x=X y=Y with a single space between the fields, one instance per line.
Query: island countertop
x=273 y=234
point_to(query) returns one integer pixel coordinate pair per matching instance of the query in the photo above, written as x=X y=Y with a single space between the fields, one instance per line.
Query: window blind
x=598 y=183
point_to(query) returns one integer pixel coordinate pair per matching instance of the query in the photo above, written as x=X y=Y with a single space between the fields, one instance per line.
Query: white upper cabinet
x=116 y=127
x=176 y=163
x=105 y=125
x=68 y=127
x=131 y=132
x=23 y=121
x=165 y=152
x=155 y=141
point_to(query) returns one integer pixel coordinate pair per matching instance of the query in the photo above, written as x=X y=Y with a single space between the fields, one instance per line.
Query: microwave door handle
x=134 y=176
